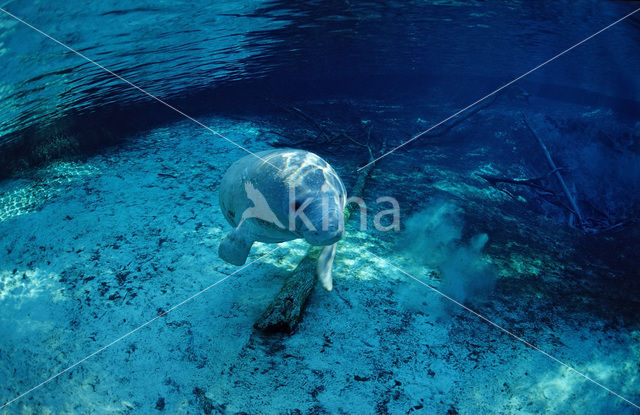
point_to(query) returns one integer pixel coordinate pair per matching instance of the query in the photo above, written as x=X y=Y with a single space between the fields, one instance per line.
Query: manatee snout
x=328 y=226
x=321 y=238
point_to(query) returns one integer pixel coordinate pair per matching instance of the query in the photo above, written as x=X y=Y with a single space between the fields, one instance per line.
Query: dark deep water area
x=510 y=284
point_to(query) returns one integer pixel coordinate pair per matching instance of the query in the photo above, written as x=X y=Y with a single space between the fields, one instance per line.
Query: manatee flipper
x=235 y=247
x=325 y=264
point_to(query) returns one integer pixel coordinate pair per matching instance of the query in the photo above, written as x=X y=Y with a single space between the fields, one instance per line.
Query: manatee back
x=251 y=169
x=230 y=195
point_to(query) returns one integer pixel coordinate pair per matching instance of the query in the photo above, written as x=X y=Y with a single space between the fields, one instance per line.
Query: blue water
x=440 y=50
x=88 y=163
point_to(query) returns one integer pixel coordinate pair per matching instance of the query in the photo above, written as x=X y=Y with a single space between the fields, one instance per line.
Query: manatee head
x=316 y=202
x=325 y=212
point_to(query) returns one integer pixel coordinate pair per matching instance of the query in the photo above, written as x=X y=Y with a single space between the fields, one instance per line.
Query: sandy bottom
x=91 y=250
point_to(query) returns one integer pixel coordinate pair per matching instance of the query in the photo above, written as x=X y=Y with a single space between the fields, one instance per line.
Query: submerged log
x=284 y=313
x=556 y=170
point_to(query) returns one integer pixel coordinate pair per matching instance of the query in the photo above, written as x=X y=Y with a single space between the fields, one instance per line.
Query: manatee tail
x=235 y=248
x=325 y=264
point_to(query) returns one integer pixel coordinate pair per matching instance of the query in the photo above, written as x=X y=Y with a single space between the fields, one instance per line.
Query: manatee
x=282 y=195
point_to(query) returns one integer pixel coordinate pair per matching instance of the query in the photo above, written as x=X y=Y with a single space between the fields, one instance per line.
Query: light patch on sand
x=28 y=285
x=25 y=196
